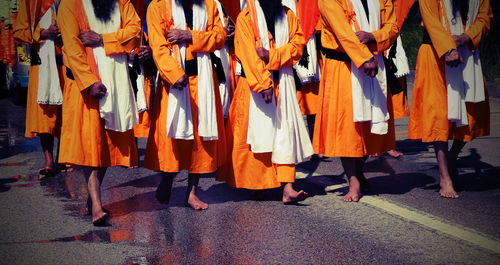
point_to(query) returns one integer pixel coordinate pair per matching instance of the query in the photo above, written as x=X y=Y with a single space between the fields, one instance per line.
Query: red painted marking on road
x=13 y=164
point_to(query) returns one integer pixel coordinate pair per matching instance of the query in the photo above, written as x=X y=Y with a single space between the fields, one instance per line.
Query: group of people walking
x=214 y=96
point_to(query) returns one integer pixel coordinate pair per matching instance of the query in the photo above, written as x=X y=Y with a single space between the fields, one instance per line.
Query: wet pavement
x=45 y=221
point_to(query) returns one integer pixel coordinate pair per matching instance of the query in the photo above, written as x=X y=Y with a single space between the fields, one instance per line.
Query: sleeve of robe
x=482 y=24
x=334 y=17
x=442 y=40
x=386 y=36
x=290 y=53
x=256 y=72
x=128 y=36
x=158 y=26
x=22 y=27
x=74 y=52
x=214 y=37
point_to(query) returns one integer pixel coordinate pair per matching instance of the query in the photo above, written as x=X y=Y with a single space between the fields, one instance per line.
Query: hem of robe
x=335 y=132
x=40 y=118
x=174 y=155
x=84 y=141
x=245 y=169
x=141 y=130
x=428 y=116
x=308 y=99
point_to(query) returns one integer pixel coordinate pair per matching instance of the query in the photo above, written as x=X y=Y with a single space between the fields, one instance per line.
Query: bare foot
x=447 y=190
x=164 y=190
x=354 y=193
x=99 y=218
x=394 y=153
x=292 y=196
x=195 y=203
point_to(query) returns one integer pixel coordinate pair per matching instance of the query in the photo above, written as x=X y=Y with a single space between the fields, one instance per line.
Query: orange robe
x=173 y=155
x=84 y=140
x=429 y=112
x=40 y=118
x=249 y=170
x=335 y=132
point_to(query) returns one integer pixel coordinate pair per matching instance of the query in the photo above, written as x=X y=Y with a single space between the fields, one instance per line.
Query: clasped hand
x=90 y=38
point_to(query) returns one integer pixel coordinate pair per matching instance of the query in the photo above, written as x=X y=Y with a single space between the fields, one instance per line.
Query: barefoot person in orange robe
x=187 y=126
x=43 y=109
x=100 y=111
x=355 y=34
x=450 y=101
x=268 y=131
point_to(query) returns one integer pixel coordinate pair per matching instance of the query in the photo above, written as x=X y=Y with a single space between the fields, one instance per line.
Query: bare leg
x=455 y=150
x=47 y=142
x=447 y=190
x=94 y=178
x=165 y=188
x=290 y=195
x=360 y=164
x=350 y=165
x=192 y=199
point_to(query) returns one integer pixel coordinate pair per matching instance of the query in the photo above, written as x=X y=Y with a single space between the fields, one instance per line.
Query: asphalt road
x=403 y=222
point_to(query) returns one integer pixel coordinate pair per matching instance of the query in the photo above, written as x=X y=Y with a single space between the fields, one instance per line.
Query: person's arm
x=128 y=36
x=385 y=37
x=442 y=41
x=290 y=53
x=158 y=26
x=214 y=37
x=334 y=18
x=256 y=72
x=74 y=51
x=481 y=26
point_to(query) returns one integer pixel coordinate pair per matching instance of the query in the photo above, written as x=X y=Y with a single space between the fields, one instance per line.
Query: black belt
x=69 y=74
x=426 y=38
x=336 y=55
x=191 y=67
x=275 y=74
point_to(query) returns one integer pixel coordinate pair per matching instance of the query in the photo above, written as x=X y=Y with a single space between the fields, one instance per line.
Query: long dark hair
x=462 y=7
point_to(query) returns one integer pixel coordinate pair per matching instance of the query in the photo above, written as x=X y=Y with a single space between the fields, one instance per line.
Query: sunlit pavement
x=44 y=221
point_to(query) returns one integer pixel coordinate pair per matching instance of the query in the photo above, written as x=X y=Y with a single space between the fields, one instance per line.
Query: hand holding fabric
x=97 y=90
x=453 y=58
x=52 y=33
x=145 y=53
x=263 y=54
x=365 y=37
x=181 y=83
x=90 y=38
x=267 y=95
x=462 y=39
x=370 y=67
x=176 y=36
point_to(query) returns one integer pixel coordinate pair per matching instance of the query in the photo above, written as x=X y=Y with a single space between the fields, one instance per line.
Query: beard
x=103 y=9
x=189 y=3
x=462 y=7
x=272 y=9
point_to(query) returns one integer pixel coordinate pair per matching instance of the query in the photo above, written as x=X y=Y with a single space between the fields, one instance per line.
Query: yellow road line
x=432 y=222
x=429 y=221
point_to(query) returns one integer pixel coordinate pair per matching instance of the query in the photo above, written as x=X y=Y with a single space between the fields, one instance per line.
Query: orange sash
x=83 y=24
